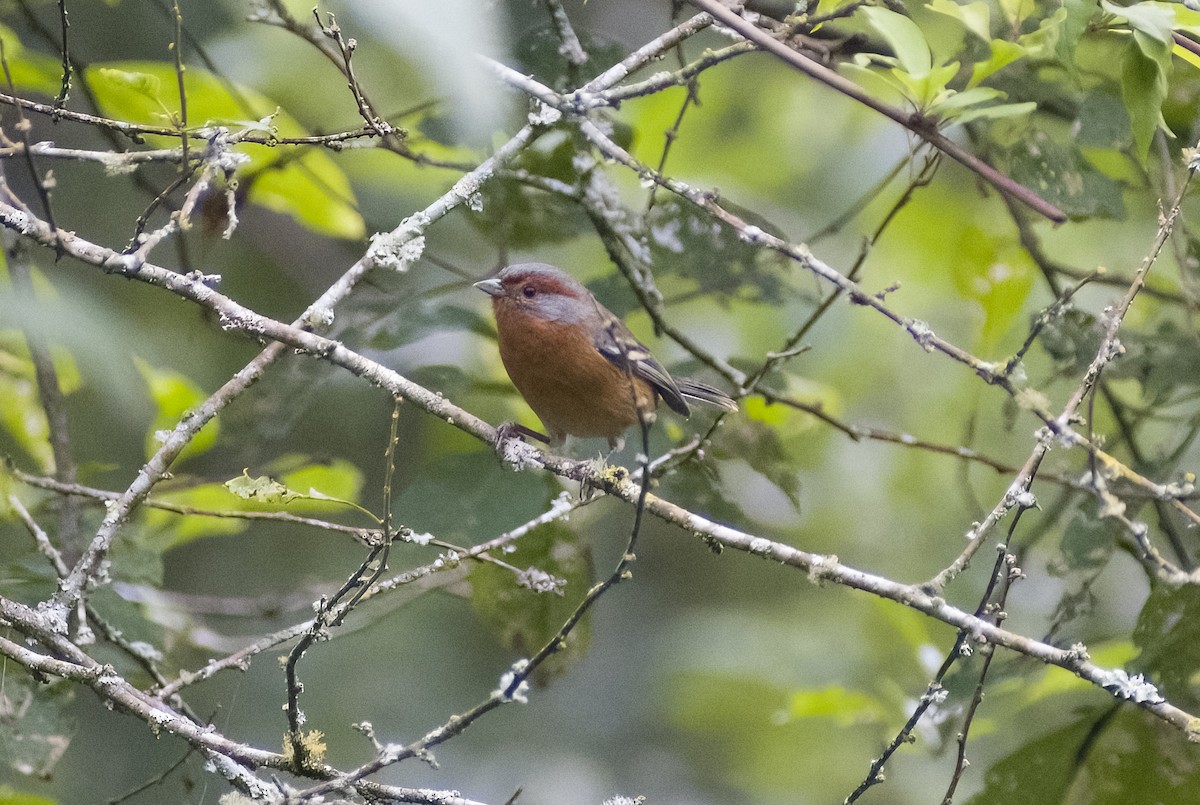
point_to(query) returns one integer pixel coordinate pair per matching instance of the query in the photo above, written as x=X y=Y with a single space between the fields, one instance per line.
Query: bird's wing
x=616 y=343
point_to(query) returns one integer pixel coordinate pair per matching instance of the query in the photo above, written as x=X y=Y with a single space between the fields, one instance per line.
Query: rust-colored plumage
x=576 y=364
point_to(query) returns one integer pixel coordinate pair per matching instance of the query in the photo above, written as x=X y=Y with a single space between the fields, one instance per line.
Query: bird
x=575 y=362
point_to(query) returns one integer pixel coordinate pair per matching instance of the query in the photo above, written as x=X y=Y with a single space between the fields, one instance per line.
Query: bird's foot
x=513 y=430
x=512 y=448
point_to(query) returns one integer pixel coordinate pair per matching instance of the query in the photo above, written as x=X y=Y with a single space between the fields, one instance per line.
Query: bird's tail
x=702 y=392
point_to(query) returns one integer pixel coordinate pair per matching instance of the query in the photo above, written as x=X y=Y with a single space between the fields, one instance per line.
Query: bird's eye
x=529 y=291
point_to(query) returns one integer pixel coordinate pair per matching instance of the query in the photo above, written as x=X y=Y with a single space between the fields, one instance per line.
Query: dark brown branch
x=917 y=124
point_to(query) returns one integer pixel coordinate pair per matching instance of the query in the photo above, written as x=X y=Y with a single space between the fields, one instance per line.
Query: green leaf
x=10 y=796
x=830 y=6
x=1043 y=41
x=262 y=489
x=1155 y=50
x=306 y=185
x=975 y=17
x=958 y=101
x=1143 y=88
x=1060 y=174
x=1168 y=633
x=904 y=37
x=1103 y=122
x=524 y=611
x=882 y=85
x=1145 y=69
x=1071 y=339
x=1016 y=11
x=21 y=412
x=930 y=88
x=341 y=477
x=996 y=112
x=164 y=530
x=772 y=458
x=1004 y=53
x=1184 y=19
x=997 y=277
x=1040 y=771
x=35 y=742
x=1149 y=18
x=174 y=395
x=132 y=91
x=31 y=71
x=313 y=190
x=1087 y=543
x=331 y=487
x=144 y=84
x=684 y=239
x=338 y=480
x=843 y=707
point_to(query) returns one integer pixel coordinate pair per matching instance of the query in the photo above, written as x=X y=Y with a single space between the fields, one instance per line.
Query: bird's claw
x=512 y=448
x=513 y=430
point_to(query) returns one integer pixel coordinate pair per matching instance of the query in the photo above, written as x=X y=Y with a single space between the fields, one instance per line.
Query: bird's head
x=540 y=290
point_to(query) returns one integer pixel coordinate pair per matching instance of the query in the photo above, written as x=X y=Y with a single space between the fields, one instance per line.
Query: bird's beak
x=491 y=287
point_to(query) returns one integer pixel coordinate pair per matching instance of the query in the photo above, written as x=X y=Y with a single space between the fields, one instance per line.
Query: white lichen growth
x=399 y=249
x=543 y=115
x=1018 y=496
x=117 y=163
x=468 y=189
x=510 y=692
x=447 y=561
x=1078 y=653
x=1135 y=688
x=923 y=334
x=418 y=539
x=518 y=455
x=319 y=316
x=540 y=581
x=220 y=154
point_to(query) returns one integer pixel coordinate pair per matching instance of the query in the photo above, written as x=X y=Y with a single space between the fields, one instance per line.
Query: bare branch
x=913 y=122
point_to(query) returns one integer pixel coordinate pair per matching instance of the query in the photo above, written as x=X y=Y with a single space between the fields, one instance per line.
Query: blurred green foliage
x=525 y=617
x=310 y=187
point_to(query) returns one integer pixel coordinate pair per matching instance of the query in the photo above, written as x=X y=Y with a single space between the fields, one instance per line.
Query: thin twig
x=64 y=91
x=915 y=123
x=386 y=249
x=177 y=46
